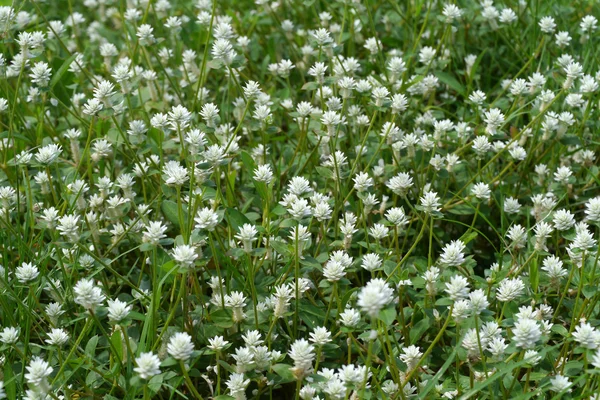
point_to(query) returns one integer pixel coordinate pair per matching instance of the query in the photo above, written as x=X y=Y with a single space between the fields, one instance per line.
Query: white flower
x=180 y=346
x=237 y=385
x=397 y=216
x=320 y=336
x=57 y=337
x=263 y=173
x=302 y=352
x=400 y=183
x=175 y=174
x=587 y=336
x=510 y=289
x=247 y=234
x=371 y=262
x=453 y=254
x=430 y=202
x=374 y=296
x=350 y=317
x=184 y=255
x=457 y=288
x=481 y=191
x=411 y=356
x=526 y=333
x=147 y=365
x=48 y=154
x=155 y=231
x=117 y=310
x=40 y=74
x=217 y=343
x=560 y=383
x=9 y=335
x=206 y=219
x=93 y=107
x=37 y=374
x=26 y=272
x=563 y=220
x=478 y=301
x=547 y=24
x=88 y=295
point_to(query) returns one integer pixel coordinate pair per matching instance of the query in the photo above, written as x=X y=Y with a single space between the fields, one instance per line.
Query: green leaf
x=571 y=140
x=468 y=236
x=311 y=315
x=222 y=318
x=90 y=347
x=589 y=291
x=417 y=331
x=561 y=330
x=534 y=276
x=285 y=372
x=388 y=316
x=235 y=218
x=324 y=172
x=117 y=342
x=462 y=209
x=451 y=81
x=61 y=71
x=10 y=385
x=170 y=210
x=155 y=383
x=280 y=247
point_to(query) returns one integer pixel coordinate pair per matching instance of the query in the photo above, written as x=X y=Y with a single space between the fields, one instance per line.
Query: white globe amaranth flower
x=180 y=346
x=526 y=333
x=118 y=310
x=147 y=365
x=27 y=272
x=87 y=294
x=375 y=295
x=9 y=335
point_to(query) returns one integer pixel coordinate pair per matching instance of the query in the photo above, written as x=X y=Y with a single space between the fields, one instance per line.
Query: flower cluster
x=325 y=199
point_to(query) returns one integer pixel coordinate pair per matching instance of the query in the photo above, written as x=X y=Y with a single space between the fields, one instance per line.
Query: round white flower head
x=180 y=346
x=37 y=374
x=263 y=173
x=371 y=261
x=184 y=255
x=302 y=352
x=453 y=254
x=118 y=310
x=320 y=336
x=430 y=202
x=350 y=318
x=560 y=384
x=237 y=385
x=57 y=337
x=411 y=356
x=481 y=191
x=510 y=289
x=217 y=343
x=147 y=365
x=9 y=335
x=587 y=336
x=526 y=333
x=87 y=294
x=374 y=296
x=206 y=219
x=479 y=301
x=26 y=272
x=457 y=288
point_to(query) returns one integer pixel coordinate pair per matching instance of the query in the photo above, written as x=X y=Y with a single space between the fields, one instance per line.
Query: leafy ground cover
x=356 y=199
